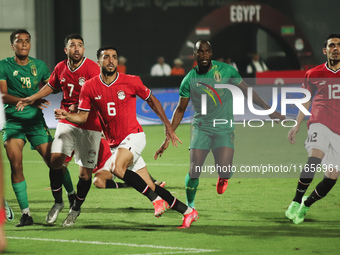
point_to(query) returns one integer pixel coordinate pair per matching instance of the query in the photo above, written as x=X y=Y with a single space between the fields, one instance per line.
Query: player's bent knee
x=119 y=171
x=99 y=183
x=56 y=164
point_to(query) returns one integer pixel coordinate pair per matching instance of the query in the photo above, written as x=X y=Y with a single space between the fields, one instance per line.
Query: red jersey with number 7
x=324 y=85
x=116 y=104
x=71 y=82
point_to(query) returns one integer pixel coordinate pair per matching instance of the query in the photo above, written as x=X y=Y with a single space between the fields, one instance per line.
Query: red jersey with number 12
x=71 y=82
x=116 y=104
x=324 y=83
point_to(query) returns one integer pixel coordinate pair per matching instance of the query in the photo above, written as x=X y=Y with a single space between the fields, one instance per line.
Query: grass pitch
x=247 y=219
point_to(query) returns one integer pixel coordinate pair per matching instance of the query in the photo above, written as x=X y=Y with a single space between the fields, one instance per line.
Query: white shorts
x=322 y=138
x=134 y=143
x=84 y=143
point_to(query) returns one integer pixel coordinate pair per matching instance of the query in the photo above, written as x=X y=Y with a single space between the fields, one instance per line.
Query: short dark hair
x=73 y=36
x=108 y=47
x=329 y=37
x=18 y=31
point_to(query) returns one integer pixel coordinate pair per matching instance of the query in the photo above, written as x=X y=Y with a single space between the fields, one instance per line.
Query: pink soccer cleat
x=160 y=207
x=189 y=218
x=221 y=185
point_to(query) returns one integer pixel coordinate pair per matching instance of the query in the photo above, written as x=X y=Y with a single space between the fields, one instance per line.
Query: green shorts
x=207 y=140
x=36 y=132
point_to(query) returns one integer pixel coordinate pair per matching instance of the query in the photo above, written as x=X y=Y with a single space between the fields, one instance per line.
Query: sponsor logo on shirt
x=98 y=97
x=15 y=73
x=62 y=80
x=323 y=82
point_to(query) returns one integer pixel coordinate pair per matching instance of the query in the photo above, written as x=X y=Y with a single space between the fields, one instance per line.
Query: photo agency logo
x=281 y=97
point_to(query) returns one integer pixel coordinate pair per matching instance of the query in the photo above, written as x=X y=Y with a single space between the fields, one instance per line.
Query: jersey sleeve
x=45 y=73
x=3 y=75
x=307 y=84
x=184 y=89
x=54 y=80
x=141 y=90
x=235 y=76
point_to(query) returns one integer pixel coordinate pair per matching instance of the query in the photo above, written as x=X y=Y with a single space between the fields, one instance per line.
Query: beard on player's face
x=107 y=72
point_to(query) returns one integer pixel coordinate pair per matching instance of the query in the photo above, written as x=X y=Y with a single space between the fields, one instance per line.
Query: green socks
x=191 y=188
x=67 y=182
x=20 y=190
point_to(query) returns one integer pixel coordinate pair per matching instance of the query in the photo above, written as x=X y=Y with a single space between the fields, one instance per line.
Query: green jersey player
x=19 y=78
x=219 y=102
x=199 y=86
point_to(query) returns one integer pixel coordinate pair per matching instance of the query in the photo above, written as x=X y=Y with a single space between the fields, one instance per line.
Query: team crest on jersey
x=15 y=73
x=121 y=94
x=34 y=70
x=217 y=76
x=81 y=81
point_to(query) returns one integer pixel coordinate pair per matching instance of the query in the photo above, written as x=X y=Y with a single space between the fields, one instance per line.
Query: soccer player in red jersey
x=113 y=95
x=323 y=141
x=69 y=76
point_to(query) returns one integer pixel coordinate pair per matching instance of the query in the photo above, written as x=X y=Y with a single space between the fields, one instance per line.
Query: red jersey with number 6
x=71 y=82
x=324 y=85
x=116 y=104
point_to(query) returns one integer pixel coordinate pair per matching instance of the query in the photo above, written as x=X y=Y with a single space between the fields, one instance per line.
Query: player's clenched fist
x=60 y=114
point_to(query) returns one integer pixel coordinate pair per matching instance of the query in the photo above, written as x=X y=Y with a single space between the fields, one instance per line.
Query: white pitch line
x=152 y=164
x=193 y=250
x=170 y=252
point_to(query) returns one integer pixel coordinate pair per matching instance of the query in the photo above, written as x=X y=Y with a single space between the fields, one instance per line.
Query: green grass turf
x=247 y=219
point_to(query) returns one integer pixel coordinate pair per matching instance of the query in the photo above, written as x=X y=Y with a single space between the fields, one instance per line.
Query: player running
x=113 y=95
x=323 y=141
x=201 y=81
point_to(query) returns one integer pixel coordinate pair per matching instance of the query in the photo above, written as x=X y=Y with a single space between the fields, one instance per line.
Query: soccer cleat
x=221 y=185
x=25 y=220
x=160 y=207
x=52 y=216
x=9 y=212
x=292 y=210
x=71 y=218
x=189 y=218
x=301 y=213
x=72 y=198
x=161 y=184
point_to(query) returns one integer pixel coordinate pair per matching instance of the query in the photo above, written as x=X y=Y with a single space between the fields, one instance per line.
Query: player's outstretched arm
x=259 y=101
x=77 y=118
x=175 y=121
x=36 y=99
x=158 y=109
